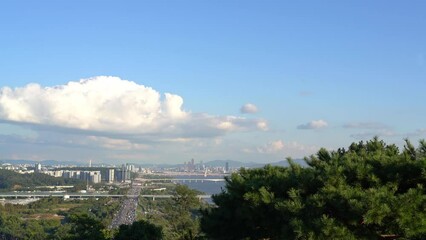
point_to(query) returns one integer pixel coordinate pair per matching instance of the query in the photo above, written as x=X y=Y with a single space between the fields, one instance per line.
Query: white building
x=37 y=167
x=95 y=176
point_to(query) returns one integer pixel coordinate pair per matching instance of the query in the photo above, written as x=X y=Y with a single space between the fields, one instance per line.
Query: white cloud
x=262 y=125
x=271 y=147
x=111 y=105
x=116 y=144
x=227 y=125
x=249 y=108
x=315 y=124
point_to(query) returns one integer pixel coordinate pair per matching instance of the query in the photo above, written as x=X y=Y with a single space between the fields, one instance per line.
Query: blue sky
x=320 y=73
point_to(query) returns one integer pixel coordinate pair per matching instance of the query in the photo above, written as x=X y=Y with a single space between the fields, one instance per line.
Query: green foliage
x=34 y=230
x=179 y=216
x=140 y=230
x=369 y=191
x=182 y=220
x=10 y=180
x=63 y=232
x=184 y=199
x=84 y=226
x=19 y=221
x=13 y=227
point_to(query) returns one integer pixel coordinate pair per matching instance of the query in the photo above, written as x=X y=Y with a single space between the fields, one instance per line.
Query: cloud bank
x=110 y=104
x=315 y=124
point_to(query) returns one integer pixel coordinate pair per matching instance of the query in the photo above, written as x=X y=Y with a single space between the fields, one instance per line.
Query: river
x=208 y=187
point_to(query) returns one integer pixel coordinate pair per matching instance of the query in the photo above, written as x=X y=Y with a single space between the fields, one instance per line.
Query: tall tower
x=90 y=163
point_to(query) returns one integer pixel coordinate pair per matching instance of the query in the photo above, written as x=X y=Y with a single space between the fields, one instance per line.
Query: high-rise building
x=191 y=165
x=124 y=173
x=94 y=176
x=110 y=175
x=37 y=167
x=130 y=167
x=84 y=175
x=118 y=175
x=227 y=167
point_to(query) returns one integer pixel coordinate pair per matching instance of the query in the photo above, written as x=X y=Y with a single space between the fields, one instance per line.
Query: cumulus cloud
x=110 y=104
x=249 y=108
x=101 y=103
x=315 y=124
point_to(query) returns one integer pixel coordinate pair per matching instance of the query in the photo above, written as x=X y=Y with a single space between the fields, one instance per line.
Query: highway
x=86 y=195
x=127 y=212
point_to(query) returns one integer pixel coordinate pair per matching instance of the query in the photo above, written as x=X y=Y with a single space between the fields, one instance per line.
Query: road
x=127 y=212
x=86 y=195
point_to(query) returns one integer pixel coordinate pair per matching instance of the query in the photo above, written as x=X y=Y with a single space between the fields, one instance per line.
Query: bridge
x=153 y=197
x=63 y=195
x=87 y=195
x=179 y=179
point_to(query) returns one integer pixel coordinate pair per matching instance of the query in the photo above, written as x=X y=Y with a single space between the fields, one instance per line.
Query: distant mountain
x=282 y=163
x=232 y=163
x=160 y=165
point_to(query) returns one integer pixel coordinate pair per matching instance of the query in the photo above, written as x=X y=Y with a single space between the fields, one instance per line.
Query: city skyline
x=166 y=82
